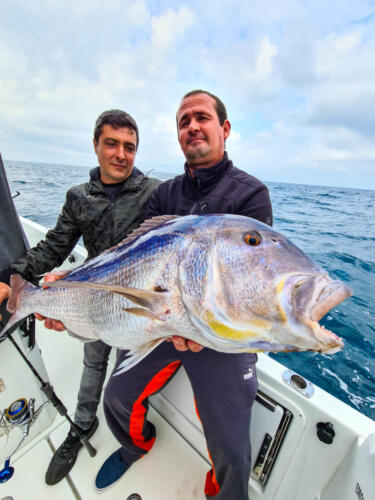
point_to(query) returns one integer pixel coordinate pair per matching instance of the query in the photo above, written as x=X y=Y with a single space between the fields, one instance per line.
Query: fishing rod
x=23 y=415
x=13 y=245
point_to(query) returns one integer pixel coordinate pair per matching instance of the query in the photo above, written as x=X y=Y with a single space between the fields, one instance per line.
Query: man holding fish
x=223 y=395
x=102 y=211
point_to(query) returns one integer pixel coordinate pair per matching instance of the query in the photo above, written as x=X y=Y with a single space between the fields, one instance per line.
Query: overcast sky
x=297 y=78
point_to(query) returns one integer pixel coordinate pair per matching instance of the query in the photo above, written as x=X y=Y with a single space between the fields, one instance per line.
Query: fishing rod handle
x=89 y=447
x=47 y=389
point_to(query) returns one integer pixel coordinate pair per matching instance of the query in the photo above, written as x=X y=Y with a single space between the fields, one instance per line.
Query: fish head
x=262 y=293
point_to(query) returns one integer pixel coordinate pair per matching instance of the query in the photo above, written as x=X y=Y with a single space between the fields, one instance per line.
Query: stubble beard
x=198 y=153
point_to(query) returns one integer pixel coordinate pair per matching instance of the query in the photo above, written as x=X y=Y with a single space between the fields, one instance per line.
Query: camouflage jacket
x=89 y=212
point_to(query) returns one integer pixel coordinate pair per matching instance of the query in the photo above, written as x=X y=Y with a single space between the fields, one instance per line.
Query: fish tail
x=18 y=286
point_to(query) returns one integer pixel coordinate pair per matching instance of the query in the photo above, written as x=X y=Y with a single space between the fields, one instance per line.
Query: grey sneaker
x=66 y=455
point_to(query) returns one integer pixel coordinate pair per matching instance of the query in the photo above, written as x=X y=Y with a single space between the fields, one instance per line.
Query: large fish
x=227 y=282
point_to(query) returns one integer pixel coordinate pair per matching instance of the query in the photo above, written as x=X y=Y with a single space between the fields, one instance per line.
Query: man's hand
x=49 y=323
x=182 y=344
x=4 y=291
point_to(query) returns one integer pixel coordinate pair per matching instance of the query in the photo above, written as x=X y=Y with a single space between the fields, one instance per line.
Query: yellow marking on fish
x=228 y=332
x=279 y=289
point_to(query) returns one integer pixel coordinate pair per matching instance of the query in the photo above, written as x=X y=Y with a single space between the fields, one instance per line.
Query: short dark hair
x=117 y=119
x=220 y=108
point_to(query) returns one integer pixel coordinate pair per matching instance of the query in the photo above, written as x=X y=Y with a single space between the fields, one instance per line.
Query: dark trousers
x=224 y=387
x=95 y=361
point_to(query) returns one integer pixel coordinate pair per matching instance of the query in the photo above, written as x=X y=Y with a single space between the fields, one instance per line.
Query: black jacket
x=219 y=189
x=89 y=212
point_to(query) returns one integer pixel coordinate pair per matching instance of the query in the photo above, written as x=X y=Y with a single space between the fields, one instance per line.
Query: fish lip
x=311 y=297
x=329 y=297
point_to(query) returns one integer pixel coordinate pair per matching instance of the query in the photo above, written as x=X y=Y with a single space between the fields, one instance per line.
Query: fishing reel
x=21 y=414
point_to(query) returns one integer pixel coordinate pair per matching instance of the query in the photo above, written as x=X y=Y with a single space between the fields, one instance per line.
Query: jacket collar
x=132 y=183
x=205 y=177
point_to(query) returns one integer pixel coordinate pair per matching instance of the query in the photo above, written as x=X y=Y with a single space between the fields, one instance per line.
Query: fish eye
x=252 y=239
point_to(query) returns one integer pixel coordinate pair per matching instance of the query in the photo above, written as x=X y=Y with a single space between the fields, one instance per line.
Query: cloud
x=138 y=13
x=296 y=58
x=264 y=63
x=350 y=106
x=296 y=78
x=347 y=42
x=171 y=26
x=345 y=95
x=233 y=137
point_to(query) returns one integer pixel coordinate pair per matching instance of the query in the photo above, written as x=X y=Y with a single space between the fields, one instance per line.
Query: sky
x=297 y=78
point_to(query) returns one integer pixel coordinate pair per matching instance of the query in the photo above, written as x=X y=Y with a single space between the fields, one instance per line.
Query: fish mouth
x=312 y=297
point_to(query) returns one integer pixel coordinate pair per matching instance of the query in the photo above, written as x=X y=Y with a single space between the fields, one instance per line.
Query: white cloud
x=282 y=129
x=164 y=124
x=171 y=26
x=264 y=63
x=344 y=95
x=347 y=42
x=296 y=59
x=138 y=13
x=298 y=87
x=234 y=136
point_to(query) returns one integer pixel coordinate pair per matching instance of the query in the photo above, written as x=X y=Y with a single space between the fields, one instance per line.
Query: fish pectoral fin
x=141 y=311
x=137 y=356
x=153 y=300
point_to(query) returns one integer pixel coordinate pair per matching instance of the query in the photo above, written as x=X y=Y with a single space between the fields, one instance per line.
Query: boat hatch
x=273 y=421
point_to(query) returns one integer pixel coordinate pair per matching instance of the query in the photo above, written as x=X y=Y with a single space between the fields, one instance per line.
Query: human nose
x=120 y=152
x=193 y=126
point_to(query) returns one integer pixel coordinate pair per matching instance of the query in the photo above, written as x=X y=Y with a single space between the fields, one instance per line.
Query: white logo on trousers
x=248 y=375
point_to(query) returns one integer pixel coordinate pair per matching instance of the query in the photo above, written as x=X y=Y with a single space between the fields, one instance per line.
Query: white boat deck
x=165 y=465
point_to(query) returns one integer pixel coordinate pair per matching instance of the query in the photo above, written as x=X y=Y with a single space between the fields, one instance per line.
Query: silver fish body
x=227 y=282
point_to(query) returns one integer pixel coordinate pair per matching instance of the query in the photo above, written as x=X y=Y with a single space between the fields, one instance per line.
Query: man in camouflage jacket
x=103 y=211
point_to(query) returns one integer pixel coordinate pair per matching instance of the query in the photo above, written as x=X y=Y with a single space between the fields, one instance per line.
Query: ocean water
x=334 y=226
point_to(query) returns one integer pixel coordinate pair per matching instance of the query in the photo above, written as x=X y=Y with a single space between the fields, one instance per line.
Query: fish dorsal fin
x=143 y=228
x=147 y=225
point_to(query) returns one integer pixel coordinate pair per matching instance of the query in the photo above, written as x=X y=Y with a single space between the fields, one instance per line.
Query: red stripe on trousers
x=211 y=487
x=137 y=417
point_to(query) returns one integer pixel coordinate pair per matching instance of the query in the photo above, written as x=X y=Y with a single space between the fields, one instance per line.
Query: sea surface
x=333 y=225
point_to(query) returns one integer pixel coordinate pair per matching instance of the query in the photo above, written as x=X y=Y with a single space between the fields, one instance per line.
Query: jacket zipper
x=112 y=235
x=196 y=191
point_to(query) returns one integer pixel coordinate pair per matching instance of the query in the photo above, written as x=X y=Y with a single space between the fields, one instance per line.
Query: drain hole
x=298 y=381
